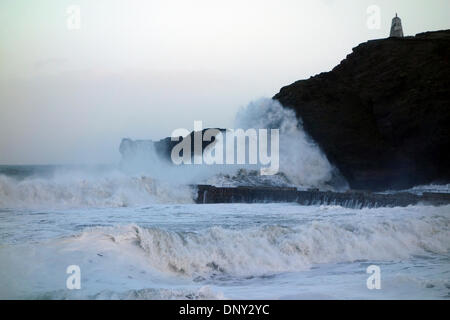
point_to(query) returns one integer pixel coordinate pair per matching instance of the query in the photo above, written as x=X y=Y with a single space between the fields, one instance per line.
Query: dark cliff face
x=382 y=116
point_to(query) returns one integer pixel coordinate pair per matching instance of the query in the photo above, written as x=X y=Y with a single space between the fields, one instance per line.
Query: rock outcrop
x=161 y=148
x=382 y=116
x=352 y=199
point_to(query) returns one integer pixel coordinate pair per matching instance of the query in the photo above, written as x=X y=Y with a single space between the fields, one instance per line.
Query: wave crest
x=271 y=249
x=72 y=190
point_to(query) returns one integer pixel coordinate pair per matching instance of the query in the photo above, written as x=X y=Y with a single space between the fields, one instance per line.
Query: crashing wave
x=203 y=293
x=146 y=178
x=302 y=163
x=263 y=250
x=114 y=189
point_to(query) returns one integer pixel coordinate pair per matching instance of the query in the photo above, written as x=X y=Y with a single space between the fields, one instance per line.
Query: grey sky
x=140 y=69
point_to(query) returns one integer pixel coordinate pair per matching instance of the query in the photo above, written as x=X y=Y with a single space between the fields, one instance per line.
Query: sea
x=133 y=231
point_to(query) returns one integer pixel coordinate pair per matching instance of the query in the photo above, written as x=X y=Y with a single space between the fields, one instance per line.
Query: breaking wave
x=302 y=163
x=259 y=251
x=301 y=160
x=203 y=293
x=146 y=178
x=114 y=189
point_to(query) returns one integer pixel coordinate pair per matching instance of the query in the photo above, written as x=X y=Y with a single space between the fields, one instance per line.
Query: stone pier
x=352 y=199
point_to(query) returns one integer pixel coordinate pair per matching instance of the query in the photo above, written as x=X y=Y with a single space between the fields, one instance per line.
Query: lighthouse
x=396 y=27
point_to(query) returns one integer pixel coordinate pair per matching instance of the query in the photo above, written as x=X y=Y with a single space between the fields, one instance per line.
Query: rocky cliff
x=382 y=116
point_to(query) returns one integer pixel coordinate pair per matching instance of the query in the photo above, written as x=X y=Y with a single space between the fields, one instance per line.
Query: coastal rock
x=350 y=199
x=162 y=148
x=382 y=115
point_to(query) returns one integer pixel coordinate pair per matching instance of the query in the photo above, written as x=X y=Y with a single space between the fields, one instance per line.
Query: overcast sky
x=140 y=69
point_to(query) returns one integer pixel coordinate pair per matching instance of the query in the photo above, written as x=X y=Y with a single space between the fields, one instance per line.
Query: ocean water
x=134 y=231
x=137 y=238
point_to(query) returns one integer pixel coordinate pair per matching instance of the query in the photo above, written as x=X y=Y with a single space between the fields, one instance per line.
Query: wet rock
x=351 y=199
x=382 y=115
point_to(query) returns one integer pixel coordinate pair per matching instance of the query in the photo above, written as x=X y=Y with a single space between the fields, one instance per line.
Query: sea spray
x=82 y=190
x=238 y=250
x=144 y=177
x=272 y=249
x=301 y=159
x=302 y=163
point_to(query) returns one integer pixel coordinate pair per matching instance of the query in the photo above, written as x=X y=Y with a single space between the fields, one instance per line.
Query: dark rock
x=382 y=115
x=163 y=147
x=352 y=199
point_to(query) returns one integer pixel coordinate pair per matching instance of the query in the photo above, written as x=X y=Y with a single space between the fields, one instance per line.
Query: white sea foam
x=235 y=250
x=302 y=163
x=146 y=178
x=274 y=249
x=202 y=293
x=74 y=190
x=301 y=160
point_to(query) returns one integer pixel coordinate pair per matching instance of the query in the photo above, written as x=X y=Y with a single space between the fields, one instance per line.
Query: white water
x=301 y=160
x=84 y=190
x=136 y=234
x=302 y=163
x=146 y=178
x=439 y=188
x=226 y=251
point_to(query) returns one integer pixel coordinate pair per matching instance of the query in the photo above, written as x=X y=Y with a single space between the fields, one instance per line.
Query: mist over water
x=135 y=232
x=143 y=176
x=219 y=251
x=73 y=86
x=301 y=159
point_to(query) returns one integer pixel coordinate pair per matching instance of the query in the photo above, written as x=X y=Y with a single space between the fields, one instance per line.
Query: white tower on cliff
x=396 y=27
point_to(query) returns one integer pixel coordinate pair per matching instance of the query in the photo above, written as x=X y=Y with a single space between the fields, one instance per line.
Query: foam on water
x=232 y=251
x=273 y=249
x=78 y=190
x=302 y=163
x=136 y=233
x=145 y=178
x=301 y=160
x=439 y=188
